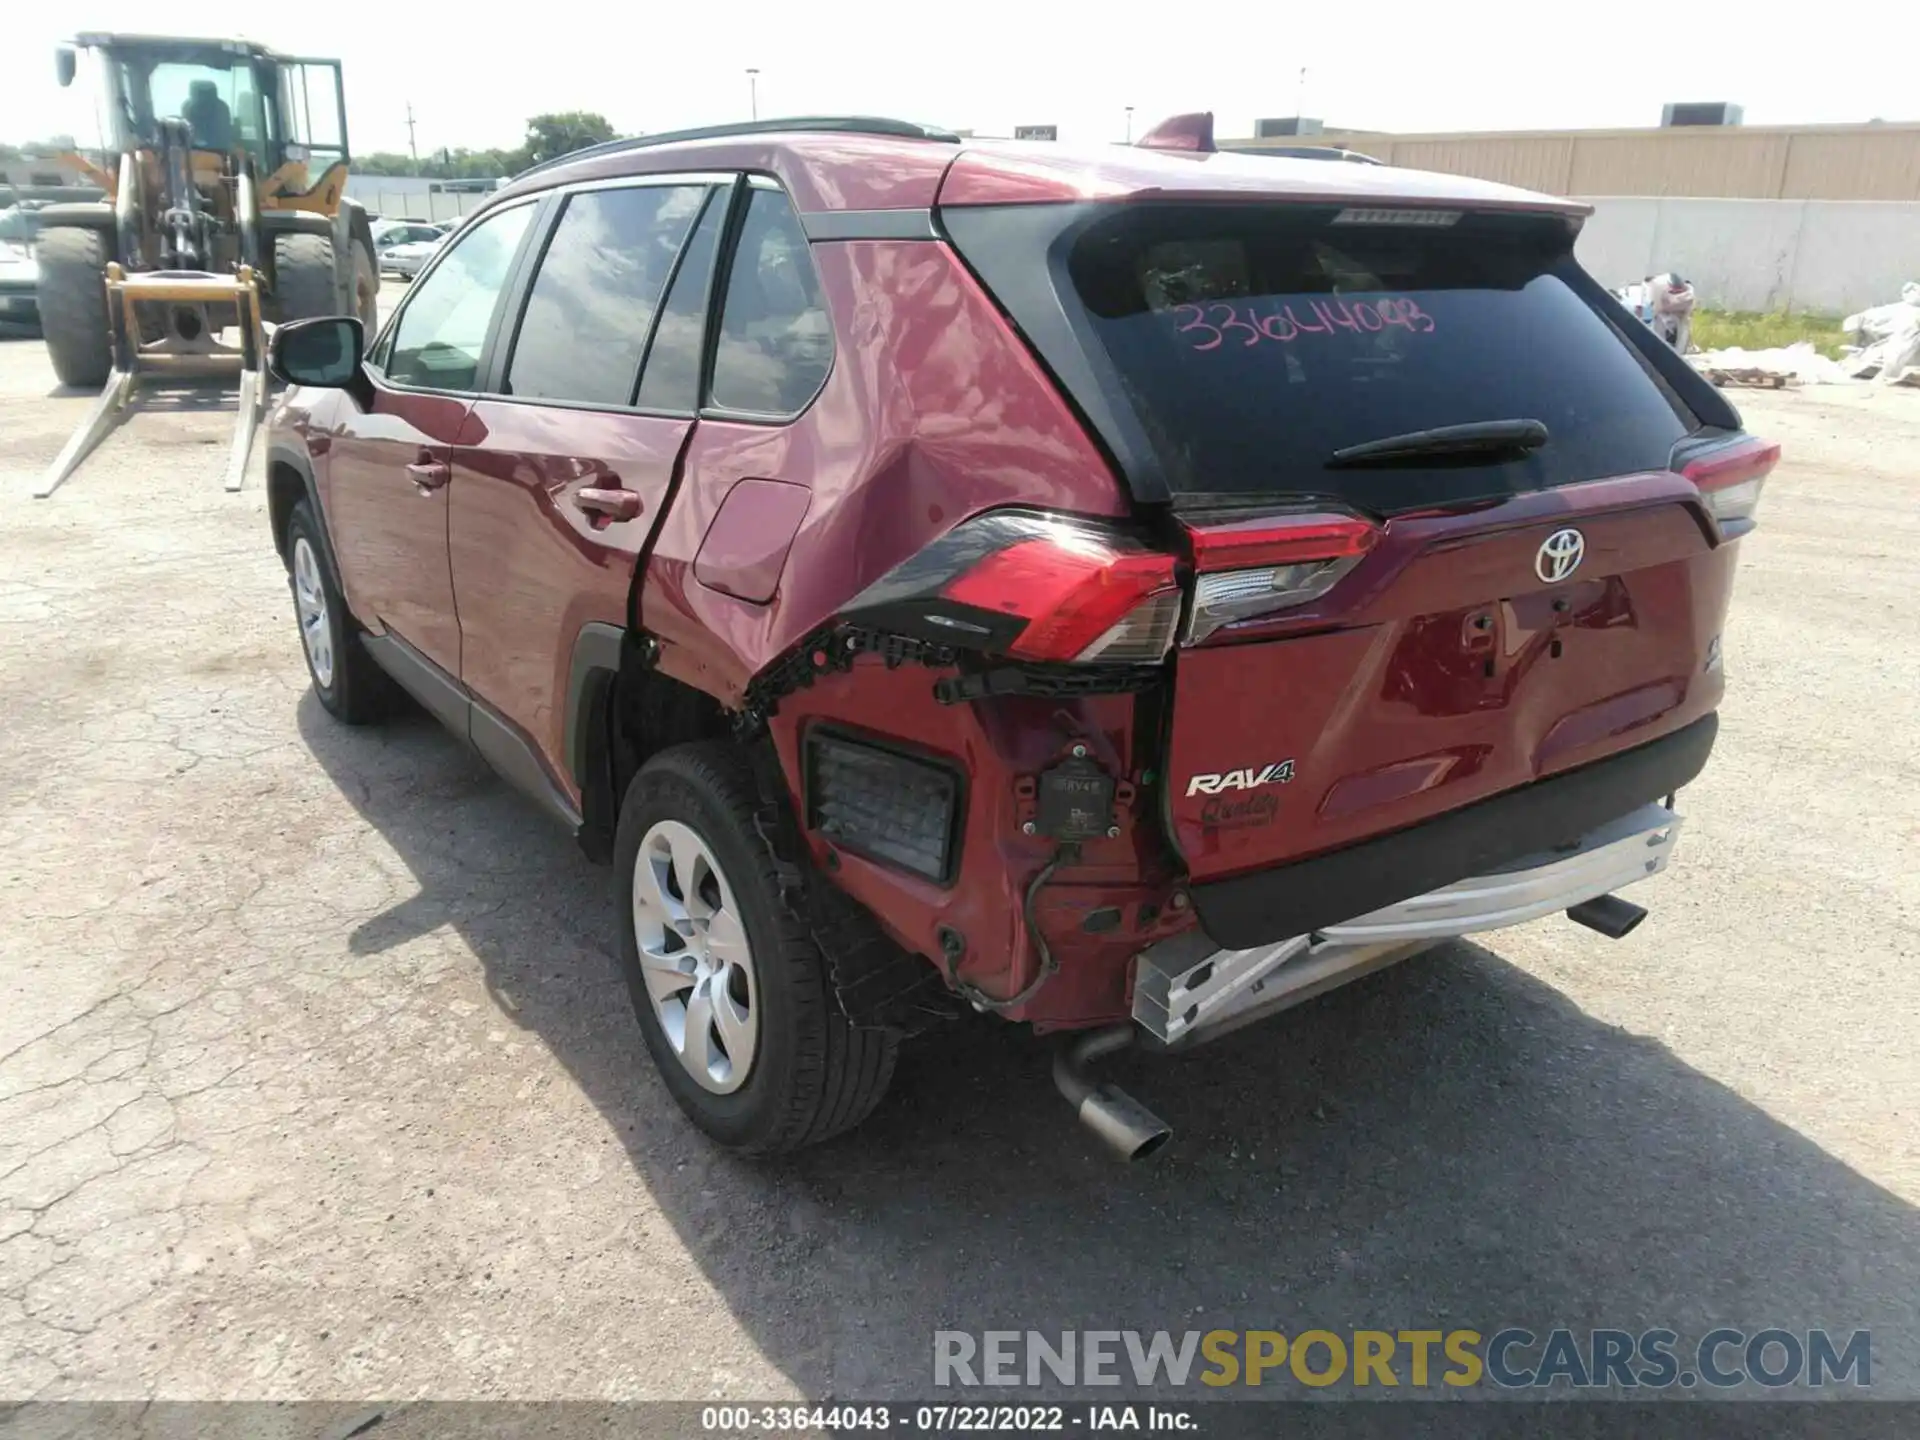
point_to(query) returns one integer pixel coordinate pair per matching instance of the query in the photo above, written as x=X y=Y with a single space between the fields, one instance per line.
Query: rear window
x=1253 y=342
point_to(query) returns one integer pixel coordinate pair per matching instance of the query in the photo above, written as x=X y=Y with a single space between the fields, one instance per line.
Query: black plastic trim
x=824 y=225
x=1268 y=906
x=596 y=661
x=497 y=739
x=296 y=459
x=502 y=746
x=445 y=698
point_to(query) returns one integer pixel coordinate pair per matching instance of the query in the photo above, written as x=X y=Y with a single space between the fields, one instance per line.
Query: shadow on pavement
x=1447 y=1144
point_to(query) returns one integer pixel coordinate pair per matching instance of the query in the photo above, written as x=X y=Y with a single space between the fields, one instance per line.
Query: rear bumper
x=1187 y=990
x=1268 y=907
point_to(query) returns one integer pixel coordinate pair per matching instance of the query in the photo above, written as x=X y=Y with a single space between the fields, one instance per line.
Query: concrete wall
x=1827 y=256
x=401 y=196
x=1758 y=162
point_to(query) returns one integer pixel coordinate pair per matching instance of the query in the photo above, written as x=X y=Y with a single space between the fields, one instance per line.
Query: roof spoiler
x=1192 y=133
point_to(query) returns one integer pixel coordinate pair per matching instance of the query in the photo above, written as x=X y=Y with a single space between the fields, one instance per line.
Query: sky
x=989 y=65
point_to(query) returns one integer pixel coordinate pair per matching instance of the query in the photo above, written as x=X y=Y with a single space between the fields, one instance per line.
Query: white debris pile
x=1886 y=340
x=1780 y=366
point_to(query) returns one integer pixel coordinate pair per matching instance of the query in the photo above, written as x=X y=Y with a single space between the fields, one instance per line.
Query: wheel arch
x=621 y=711
x=289 y=481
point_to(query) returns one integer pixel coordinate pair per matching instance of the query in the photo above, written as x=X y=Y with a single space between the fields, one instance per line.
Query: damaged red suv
x=1129 y=591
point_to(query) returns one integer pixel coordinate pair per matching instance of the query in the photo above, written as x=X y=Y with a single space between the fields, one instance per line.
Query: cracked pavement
x=317 y=1080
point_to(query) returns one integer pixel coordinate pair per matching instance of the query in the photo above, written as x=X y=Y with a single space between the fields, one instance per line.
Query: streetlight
x=1129 y=124
x=753 y=91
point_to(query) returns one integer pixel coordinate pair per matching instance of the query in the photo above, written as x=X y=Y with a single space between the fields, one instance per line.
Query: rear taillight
x=1033 y=586
x=1729 y=478
x=1257 y=567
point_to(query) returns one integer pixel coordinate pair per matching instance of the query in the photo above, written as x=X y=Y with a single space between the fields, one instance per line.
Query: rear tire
x=352 y=687
x=73 y=304
x=303 y=281
x=810 y=1074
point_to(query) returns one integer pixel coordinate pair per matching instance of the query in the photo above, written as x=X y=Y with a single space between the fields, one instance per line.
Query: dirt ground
x=317 y=1080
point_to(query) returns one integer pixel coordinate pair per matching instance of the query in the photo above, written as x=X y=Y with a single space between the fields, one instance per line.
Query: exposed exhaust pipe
x=1609 y=914
x=1129 y=1129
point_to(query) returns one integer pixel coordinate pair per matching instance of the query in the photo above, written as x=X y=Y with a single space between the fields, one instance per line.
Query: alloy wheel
x=310 y=604
x=695 y=956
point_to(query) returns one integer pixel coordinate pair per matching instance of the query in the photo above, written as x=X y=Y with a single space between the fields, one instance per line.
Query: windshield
x=212 y=90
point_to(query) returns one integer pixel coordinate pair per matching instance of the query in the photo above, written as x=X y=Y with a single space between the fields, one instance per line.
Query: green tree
x=561 y=134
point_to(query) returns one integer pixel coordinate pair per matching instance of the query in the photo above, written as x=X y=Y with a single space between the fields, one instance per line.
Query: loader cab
x=233 y=95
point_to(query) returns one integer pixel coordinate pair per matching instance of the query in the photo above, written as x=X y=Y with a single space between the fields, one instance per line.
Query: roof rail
x=812 y=124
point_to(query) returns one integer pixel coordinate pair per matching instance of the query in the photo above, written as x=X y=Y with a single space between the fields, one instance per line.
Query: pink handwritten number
x=1285 y=327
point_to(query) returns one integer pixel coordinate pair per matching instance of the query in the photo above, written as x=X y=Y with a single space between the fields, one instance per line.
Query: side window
x=592 y=301
x=776 y=342
x=672 y=377
x=437 y=342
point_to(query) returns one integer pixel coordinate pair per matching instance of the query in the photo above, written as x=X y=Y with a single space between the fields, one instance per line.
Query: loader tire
x=303 y=277
x=366 y=290
x=73 y=304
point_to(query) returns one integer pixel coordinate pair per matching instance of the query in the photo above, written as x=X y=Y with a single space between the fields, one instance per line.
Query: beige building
x=1762 y=162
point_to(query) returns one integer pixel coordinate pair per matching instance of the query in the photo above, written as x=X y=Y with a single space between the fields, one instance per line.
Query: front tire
x=730 y=987
x=349 y=684
x=73 y=304
x=303 y=279
x=366 y=290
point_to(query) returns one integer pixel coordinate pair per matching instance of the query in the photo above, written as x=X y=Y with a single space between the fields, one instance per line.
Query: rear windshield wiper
x=1488 y=438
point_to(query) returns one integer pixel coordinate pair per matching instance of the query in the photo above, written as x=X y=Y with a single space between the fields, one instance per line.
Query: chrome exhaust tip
x=1123 y=1124
x=1609 y=914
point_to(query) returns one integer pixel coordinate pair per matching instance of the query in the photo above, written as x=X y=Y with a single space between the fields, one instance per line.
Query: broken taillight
x=1033 y=586
x=1729 y=477
x=1256 y=567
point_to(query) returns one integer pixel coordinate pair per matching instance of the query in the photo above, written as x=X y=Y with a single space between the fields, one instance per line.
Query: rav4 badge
x=1250 y=779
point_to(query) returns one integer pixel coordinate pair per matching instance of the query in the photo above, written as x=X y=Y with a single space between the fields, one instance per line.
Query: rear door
x=390 y=459
x=568 y=458
x=1382 y=632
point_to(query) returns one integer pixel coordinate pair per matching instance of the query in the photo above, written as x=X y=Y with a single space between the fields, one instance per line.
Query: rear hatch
x=1426 y=481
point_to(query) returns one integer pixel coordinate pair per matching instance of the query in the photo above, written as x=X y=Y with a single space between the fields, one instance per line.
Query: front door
x=391 y=457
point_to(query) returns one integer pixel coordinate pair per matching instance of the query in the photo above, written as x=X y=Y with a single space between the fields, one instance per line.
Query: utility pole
x=1129 y=124
x=412 y=148
x=753 y=92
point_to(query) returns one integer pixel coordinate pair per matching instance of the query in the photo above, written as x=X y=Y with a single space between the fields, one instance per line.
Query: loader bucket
x=176 y=356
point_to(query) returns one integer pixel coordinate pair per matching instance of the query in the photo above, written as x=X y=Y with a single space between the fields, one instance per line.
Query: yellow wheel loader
x=225 y=206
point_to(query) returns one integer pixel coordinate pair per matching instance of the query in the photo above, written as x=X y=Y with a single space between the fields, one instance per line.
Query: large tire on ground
x=303 y=280
x=366 y=289
x=73 y=303
x=352 y=687
x=731 y=989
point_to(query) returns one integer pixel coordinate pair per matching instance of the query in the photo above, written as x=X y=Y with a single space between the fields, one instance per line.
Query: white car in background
x=406 y=258
x=19 y=275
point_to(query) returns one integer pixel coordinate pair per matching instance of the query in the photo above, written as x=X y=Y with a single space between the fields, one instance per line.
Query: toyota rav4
x=1128 y=591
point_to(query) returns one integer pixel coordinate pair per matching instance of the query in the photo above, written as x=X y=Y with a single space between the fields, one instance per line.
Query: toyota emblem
x=1560 y=555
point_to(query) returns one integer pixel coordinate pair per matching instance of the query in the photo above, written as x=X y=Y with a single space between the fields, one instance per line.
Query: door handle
x=429 y=474
x=614 y=504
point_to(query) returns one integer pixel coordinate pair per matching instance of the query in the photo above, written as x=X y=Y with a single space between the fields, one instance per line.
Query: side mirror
x=64 y=64
x=326 y=351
